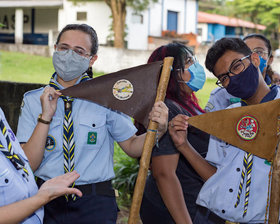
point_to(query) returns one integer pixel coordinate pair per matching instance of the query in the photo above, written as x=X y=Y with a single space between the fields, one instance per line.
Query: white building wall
x=191 y=10
x=7 y=17
x=45 y=20
x=204 y=31
x=154 y=19
x=98 y=16
x=137 y=30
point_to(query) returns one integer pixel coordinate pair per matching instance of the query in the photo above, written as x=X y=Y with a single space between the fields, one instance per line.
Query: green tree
x=265 y=12
x=118 y=10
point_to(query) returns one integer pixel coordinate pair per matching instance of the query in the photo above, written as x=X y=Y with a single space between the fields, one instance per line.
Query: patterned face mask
x=69 y=65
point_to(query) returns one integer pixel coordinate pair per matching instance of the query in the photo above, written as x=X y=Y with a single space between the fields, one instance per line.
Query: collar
x=268 y=97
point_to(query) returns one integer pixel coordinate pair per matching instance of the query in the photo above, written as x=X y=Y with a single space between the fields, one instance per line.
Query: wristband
x=42 y=120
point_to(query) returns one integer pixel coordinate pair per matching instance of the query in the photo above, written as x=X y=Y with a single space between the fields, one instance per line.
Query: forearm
x=171 y=192
x=201 y=166
x=18 y=211
x=34 y=148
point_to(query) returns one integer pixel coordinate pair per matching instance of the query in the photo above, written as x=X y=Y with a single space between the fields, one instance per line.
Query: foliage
x=126 y=170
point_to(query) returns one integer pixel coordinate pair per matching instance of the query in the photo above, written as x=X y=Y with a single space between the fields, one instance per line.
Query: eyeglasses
x=78 y=50
x=235 y=68
x=190 y=61
x=260 y=51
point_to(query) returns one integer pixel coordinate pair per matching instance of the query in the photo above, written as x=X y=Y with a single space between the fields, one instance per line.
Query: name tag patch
x=92 y=138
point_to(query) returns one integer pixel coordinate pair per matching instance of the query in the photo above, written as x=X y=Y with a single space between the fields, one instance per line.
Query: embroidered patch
x=12 y=135
x=92 y=138
x=209 y=106
x=50 y=143
x=247 y=128
x=123 y=89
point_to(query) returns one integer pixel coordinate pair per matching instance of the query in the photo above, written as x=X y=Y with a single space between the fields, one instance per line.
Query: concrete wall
x=11 y=99
x=111 y=59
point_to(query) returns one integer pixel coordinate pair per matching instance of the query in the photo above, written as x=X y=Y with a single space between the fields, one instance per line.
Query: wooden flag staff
x=274 y=202
x=148 y=145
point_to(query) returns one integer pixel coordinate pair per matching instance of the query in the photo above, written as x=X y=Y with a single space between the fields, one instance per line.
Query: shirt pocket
x=10 y=188
x=92 y=131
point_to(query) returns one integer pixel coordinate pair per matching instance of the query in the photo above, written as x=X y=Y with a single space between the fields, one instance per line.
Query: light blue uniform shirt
x=220 y=99
x=219 y=193
x=95 y=130
x=15 y=185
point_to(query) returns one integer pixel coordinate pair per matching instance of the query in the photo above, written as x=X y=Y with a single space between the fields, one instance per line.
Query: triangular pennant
x=251 y=128
x=131 y=91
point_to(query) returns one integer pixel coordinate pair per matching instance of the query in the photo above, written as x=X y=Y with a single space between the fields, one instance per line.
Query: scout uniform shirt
x=219 y=193
x=15 y=185
x=95 y=130
x=220 y=99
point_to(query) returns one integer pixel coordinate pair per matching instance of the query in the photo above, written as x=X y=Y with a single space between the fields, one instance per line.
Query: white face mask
x=69 y=65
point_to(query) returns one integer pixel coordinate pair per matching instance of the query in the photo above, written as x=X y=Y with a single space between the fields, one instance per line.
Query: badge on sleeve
x=247 y=128
x=50 y=143
x=92 y=138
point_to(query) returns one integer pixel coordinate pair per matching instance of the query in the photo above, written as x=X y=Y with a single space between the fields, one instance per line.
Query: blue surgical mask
x=245 y=84
x=198 y=77
x=263 y=64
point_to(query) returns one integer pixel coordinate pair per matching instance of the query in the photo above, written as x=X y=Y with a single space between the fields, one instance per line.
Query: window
x=137 y=18
x=81 y=16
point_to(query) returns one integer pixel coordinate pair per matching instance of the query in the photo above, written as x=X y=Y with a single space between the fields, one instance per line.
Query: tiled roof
x=204 y=17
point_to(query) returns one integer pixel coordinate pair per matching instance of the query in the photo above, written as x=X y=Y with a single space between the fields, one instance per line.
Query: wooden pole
x=275 y=185
x=148 y=146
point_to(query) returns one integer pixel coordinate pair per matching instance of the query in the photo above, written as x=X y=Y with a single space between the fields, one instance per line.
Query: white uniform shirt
x=219 y=193
x=15 y=185
x=220 y=99
x=95 y=130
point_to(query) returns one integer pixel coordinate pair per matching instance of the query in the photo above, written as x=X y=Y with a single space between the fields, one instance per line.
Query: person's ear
x=270 y=60
x=92 y=60
x=54 y=46
x=255 y=59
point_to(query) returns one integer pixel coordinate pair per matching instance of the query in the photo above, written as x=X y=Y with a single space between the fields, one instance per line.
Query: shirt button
x=6 y=181
x=93 y=125
x=230 y=190
x=237 y=169
x=23 y=175
x=223 y=211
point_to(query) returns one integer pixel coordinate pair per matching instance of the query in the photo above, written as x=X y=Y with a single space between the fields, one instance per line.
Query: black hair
x=261 y=37
x=86 y=29
x=221 y=46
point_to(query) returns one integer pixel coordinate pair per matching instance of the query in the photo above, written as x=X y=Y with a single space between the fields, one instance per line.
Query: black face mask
x=245 y=84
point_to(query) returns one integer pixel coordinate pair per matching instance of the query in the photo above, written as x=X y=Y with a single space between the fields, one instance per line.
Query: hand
x=178 y=130
x=159 y=114
x=49 y=101
x=59 y=186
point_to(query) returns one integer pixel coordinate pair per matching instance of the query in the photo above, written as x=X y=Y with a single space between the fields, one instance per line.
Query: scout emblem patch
x=92 y=138
x=123 y=89
x=50 y=143
x=247 y=128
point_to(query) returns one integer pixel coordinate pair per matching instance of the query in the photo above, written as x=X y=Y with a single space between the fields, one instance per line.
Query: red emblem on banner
x=247 y=128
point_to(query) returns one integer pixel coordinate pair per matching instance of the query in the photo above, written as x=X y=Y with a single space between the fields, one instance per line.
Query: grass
x=19 y=67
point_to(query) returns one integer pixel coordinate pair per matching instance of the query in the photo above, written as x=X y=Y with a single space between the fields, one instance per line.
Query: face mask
x=262 y=64
x=245 y=84
x=69 y=65
x=197 y=77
